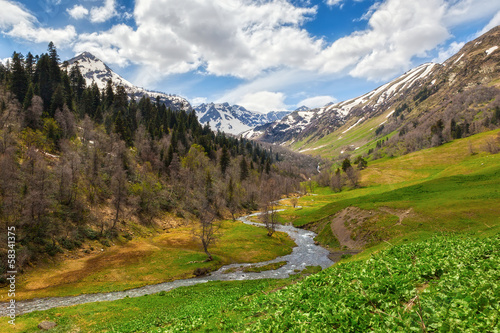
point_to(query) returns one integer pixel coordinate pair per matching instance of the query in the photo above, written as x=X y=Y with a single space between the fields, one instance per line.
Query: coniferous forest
x=77 y=162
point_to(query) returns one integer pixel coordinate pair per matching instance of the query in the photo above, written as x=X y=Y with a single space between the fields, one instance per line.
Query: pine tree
x=224 y=160
x=19 y=79
x=243 y=169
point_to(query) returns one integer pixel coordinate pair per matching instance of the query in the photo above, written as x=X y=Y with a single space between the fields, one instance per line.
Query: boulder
x=46 y=325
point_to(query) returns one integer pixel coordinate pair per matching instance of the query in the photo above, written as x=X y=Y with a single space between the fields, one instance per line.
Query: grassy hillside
x=442 y=189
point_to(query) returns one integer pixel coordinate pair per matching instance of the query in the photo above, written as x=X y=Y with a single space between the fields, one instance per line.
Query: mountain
x=234 y=119
x=94 y=70
x=424 y=107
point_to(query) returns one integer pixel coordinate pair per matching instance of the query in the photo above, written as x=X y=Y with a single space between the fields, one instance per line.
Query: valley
x=441 y=211
x=133 y=210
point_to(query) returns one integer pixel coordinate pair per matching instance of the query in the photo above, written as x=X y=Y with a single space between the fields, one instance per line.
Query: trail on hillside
x=306 y=253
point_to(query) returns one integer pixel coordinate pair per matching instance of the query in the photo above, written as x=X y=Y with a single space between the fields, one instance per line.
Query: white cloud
x=104 y=13
x=317 y=101
x=445 y=54
x=398 y=31
x=17 y=22
x=198 y=100
x=78 y=12
x=334 y=2
x=42 y=35
x=238 y=38
x=254 y=39
x=464 y=11
x=12 y=13
x=493 y=23
x=264 y=101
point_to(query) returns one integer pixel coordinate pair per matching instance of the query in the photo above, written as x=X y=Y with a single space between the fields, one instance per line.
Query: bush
x=90 y=234
x=201 y=271
x=53 y=249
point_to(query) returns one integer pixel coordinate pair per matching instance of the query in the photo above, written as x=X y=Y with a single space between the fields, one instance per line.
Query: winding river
x=306 y=253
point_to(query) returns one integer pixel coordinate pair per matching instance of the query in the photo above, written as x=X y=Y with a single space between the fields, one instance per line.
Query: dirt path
x=401 y=213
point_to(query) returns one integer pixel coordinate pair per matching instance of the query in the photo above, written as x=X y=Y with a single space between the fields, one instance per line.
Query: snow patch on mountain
x=491 y=50
x=234 y=119
x=96 y=71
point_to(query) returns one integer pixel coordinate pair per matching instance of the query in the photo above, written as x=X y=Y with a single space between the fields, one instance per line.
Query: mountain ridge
x=404 y=108
x=234 y=119
x=96 y=71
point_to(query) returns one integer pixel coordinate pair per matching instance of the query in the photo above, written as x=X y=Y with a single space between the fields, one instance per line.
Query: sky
x=262 y=54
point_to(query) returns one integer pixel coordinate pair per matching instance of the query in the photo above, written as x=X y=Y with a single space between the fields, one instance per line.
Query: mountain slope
x=234 y=119
x=94 y=70
x=459 y=95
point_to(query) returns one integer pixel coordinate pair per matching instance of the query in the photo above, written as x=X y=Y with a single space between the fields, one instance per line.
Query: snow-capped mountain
x=234 y=119
x=302 y=123
x=94 y=70
x=409 y=105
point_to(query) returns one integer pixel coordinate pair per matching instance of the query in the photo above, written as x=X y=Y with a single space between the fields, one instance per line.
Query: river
x=306 y=253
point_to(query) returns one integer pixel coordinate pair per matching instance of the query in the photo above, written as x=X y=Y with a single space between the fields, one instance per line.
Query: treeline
x=79 y=163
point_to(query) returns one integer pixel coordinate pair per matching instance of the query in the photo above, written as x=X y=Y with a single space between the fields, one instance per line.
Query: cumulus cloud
x=78 y=12
x=446 y=53
x=317 y=101
x=17 y=22
x=264 y=101
x=398 y=31
x=493 y=23
x=237 y=38
x=12 y=13
x=254 y=39
x=103 y=13
x=198 y=100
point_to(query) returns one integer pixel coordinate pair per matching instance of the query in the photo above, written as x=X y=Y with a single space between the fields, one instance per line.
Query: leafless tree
x=353 y=176
x=269 y=213
x=119 y=188
x=208 y=226
x=336 y=181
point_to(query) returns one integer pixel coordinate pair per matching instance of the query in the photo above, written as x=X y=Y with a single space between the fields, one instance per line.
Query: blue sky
x=262 y=54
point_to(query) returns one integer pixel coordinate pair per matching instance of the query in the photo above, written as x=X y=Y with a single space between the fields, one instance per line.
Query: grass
x=164 y=257
x=185 y=308
x=268 y=267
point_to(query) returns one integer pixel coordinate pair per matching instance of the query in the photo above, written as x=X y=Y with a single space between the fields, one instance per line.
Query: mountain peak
x=96 y=71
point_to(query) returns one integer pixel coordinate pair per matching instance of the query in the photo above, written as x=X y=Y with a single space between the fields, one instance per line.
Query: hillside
x=458 y=98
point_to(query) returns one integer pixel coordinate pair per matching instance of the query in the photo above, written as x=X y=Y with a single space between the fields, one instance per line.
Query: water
x=306 y=253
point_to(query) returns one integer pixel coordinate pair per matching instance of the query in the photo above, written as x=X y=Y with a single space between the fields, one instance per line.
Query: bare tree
x=353 y=176
x=208 y=226
x=336 y=181
x=119 y=188
x=269 y=213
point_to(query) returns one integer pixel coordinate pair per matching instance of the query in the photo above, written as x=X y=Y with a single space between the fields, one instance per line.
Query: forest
x=77 y=162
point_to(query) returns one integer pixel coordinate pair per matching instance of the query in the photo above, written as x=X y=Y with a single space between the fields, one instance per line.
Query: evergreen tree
x=346 y=164
x=243 y=169
x=224 y=160
x=57 y=101
x=19 y=79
